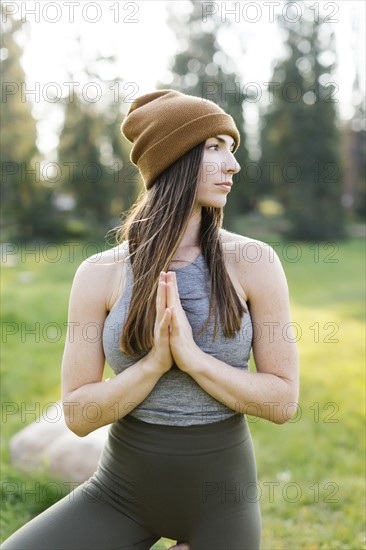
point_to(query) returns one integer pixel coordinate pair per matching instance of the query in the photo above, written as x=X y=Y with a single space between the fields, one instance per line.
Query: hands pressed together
x=173 y=339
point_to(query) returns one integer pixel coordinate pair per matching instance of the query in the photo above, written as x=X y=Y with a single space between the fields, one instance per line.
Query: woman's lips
x=225 y=185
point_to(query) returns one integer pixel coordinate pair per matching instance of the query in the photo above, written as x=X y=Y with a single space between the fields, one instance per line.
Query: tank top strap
x=129 y=272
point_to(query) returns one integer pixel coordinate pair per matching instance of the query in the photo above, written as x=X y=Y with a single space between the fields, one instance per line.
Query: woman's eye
x=213 y=145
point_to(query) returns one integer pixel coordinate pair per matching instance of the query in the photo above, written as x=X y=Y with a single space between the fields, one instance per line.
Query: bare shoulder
x=256 y=263
x=100 y=277
x=246 y=250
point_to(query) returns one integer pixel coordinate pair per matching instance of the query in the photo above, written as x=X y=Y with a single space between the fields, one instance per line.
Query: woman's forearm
x=100 y=403
x=258 y=394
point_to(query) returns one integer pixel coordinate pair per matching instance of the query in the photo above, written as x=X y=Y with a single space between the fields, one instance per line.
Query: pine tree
x=354 y=140
x=27 y=208
x=97 y=174
x=300 y=138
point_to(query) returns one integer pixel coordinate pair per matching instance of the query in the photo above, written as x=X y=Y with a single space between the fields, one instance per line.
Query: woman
x=177 y=301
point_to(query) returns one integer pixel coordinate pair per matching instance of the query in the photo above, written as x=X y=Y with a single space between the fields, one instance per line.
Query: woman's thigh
x=241 y=531
x=80 y=521
x=229 y=511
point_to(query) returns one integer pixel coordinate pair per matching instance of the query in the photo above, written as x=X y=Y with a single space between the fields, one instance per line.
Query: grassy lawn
x=311 y=470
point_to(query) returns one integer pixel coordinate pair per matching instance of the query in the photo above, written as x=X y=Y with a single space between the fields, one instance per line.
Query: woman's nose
x=231 y=165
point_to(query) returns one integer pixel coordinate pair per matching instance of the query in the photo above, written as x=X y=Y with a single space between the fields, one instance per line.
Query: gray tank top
x=177 y=399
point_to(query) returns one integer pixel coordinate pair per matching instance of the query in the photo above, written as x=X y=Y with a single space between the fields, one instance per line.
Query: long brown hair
x=154 y=228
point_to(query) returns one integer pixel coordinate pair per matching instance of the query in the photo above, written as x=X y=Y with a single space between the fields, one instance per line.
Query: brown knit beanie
x=165 y=125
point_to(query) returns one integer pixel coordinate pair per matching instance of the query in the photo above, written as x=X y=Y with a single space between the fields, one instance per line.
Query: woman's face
x=216 y=175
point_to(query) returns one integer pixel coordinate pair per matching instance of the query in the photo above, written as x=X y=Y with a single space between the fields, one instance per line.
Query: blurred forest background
x=308 y=170
x=301 y=187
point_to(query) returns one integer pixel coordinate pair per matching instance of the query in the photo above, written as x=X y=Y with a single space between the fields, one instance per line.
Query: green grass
x=310 y=470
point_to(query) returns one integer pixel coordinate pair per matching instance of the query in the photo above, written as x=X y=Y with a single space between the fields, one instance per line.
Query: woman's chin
x=217 y=202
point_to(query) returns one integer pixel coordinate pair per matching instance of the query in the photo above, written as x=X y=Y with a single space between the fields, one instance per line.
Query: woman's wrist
x=153 y=362
x=189 y=359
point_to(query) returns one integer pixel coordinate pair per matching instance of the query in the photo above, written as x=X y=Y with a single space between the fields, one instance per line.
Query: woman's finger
x=170 y=293
x=171 y=277
x=165 y=322
x=161 y=301
x=175 y=283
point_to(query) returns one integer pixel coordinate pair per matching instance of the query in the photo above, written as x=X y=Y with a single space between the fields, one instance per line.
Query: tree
x=84 y=177
x=354 y=139
x=28 y=211
x=203 y=69
x=300 y=138
x=358 y=130
x=97 y=172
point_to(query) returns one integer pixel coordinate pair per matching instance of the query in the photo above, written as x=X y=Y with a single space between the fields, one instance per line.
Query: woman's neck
x=190 y=239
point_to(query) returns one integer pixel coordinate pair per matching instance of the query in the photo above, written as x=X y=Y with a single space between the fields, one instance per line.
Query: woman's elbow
x=73 y=421
x=289 y=402
x=76 y=428
x=287 y=413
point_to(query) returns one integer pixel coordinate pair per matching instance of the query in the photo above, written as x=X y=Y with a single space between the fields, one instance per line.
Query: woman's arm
x=88 y=401
x=272 y=391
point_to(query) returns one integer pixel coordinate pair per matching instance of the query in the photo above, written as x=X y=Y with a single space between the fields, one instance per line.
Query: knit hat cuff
x=185 y=138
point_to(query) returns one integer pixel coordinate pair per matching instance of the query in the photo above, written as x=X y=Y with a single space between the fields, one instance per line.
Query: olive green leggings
x=194 y=484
